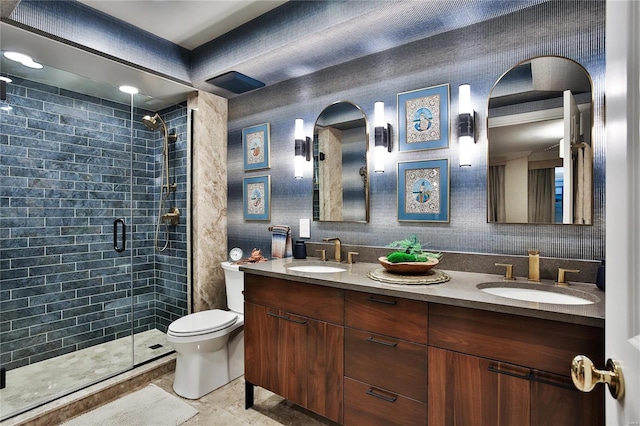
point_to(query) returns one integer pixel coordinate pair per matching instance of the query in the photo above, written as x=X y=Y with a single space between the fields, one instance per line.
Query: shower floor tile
x=43 y=381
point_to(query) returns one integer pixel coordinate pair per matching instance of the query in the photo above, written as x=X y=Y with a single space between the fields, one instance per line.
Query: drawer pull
x=380 y=342
x=286 y=318
x=552 y=383
x=386 y=302
x=493 y=369
x=382 y=397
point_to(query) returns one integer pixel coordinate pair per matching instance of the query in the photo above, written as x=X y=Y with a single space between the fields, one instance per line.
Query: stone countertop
x=461 y=290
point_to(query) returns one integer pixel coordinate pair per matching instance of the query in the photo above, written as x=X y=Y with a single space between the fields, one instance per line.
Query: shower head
x=152 y=123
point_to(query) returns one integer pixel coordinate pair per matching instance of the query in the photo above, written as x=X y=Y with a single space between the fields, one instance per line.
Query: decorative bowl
x=407 y=268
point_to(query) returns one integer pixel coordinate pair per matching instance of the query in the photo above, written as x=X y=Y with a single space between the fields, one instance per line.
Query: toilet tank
x=234 y=282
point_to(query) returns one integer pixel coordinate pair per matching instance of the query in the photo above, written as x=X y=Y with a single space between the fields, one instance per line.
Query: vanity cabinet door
x=275 y=352
x=466 y=390
x=556 y=401
x=296 y=357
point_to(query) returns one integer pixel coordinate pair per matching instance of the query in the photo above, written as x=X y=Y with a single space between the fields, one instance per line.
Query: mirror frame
x=591 y=132
x=366 y=153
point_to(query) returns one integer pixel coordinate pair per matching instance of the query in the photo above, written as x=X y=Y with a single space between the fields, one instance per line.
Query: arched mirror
x=340 y=175
x=540 y=165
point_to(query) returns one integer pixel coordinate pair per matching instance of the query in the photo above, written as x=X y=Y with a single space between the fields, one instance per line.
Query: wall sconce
x=382 y=137
x=302 y=149
x=466 y=128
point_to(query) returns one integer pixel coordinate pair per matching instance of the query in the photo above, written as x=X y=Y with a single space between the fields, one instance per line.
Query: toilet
x=210 y=344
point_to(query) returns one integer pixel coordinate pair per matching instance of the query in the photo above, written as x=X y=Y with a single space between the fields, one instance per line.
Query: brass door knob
x=585 y=376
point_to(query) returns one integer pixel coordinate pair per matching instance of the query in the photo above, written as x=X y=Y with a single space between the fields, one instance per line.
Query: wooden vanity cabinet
x=494 y=368
x=294 y=342
x=385 y=360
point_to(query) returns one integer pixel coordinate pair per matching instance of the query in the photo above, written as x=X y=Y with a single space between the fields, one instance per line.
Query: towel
x=281 y=245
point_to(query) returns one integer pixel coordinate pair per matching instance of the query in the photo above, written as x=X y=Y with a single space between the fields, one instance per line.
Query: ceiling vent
x=236 y=82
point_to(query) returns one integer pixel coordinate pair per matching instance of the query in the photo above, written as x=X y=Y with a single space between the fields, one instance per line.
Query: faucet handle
x=350 y=256
x=323 y=254
x=561 y=273
x=508 y=272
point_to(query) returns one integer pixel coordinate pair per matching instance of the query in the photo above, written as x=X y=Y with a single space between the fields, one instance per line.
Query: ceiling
x=185 y=22
x=319 y=34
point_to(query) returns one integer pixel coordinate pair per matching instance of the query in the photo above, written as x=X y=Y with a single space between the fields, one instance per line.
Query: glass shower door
x=66 y=317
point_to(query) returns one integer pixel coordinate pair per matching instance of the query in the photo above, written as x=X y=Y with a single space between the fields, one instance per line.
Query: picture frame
x=256 y=147
x=423 y=118
x=423 y=191
x=256 y=195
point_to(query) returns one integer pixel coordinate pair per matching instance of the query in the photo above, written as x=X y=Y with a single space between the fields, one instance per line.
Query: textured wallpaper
x=478 y=55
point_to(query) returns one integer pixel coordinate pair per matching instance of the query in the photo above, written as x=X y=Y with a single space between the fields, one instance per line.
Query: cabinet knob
x=585 y=376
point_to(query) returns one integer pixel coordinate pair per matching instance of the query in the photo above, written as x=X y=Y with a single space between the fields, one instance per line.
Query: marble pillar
x=208 y=199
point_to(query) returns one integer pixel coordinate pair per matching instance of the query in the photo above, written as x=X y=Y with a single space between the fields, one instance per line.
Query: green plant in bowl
x=409 y=258
x=410 y=250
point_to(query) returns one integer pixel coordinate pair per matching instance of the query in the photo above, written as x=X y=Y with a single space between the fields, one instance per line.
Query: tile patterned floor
x=225 y=406
x=34 y=384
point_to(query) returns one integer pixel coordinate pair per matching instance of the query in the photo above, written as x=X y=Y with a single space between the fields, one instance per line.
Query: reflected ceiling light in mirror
x=302 y=149
x=466 y=118
x=382 y=137
x=25 y=60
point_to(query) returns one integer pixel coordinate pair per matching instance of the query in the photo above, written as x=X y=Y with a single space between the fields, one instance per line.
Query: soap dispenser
x=600 y=275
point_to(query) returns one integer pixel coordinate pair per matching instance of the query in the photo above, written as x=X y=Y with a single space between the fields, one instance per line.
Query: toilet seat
x=203 y=322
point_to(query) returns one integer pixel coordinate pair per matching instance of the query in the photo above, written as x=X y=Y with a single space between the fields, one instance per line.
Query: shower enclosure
x=85 y=295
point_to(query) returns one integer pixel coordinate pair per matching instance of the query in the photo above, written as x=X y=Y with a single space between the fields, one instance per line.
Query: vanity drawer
x=388 y=315
x=392 y=364
x=532 y=342
x=313 y=301
x=366 y=405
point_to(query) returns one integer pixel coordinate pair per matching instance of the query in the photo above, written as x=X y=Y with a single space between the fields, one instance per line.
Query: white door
x=571 y=136
x=622 y=88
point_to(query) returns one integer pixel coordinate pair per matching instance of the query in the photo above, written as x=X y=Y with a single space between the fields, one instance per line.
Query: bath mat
x=148 y=406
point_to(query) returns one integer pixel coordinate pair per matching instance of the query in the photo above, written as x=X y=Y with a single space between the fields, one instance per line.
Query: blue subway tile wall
x=68 y=169
x=477 y=54
x=171 y=265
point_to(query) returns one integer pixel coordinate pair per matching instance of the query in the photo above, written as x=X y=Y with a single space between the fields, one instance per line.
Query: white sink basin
x=554 y=295
x=316 y=269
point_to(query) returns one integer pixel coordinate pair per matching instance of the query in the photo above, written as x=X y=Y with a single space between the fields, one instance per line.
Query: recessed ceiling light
x=5 y=79
x=25 y=60
x=32 y=64
x=18 y=57
x=129 y=89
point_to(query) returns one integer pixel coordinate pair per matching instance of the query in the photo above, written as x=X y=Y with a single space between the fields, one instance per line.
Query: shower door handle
x=116 y=247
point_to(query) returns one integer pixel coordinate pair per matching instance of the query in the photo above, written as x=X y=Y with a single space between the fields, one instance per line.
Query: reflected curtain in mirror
x=495 y=187
x=541 y=195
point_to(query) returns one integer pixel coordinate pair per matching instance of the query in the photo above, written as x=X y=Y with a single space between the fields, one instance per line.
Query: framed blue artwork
x=256 y=147
x=256 y=193
x=423 y=191
x=423 y=118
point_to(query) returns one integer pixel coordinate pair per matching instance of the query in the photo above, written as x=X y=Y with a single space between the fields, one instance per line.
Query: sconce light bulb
x=299 y=129
x=378 y=114
x=379 y=153
x=298 y=166
x=466 y=145
x=464 y=99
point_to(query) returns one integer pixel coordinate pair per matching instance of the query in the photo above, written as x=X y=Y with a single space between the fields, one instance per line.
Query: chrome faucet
x=336 y=241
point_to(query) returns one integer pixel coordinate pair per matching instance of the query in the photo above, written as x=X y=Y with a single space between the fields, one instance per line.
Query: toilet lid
x=203 y=322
